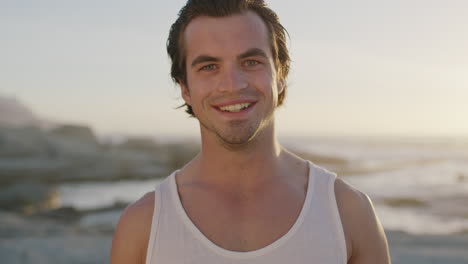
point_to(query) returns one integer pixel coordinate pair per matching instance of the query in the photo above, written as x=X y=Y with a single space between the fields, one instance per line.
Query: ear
x=185 y=93
x=280 y=85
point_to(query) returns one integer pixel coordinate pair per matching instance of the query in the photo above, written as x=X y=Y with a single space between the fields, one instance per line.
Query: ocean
x=418 y=186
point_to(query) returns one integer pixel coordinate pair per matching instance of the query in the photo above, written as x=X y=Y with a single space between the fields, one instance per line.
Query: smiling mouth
x=235 y=107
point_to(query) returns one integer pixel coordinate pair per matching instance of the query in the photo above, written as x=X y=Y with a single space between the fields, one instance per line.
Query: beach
x=62 y=191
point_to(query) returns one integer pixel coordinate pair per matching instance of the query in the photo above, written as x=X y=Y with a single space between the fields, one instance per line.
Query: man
x=243 y=198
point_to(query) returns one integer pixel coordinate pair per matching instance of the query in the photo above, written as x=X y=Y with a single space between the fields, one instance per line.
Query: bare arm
x=132 y=233
x=365 y=237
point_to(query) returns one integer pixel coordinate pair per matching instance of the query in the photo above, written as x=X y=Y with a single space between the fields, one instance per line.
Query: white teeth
x=235 y=107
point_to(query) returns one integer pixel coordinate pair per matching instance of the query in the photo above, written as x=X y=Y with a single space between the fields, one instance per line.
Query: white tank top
x=316 y=236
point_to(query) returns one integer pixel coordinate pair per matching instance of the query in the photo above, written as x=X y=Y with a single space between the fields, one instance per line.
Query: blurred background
x=378 y=93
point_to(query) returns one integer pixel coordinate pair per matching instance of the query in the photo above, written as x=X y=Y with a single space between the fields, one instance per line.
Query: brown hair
x=221 y=8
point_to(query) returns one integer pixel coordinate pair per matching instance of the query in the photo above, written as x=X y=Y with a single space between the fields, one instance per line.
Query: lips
x=234 y=106
x=232 y=102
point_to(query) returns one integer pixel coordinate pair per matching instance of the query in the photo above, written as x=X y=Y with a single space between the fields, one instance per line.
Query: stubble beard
x=239 y=135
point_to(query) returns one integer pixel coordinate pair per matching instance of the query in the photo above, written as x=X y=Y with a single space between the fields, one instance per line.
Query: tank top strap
x=160 y=203
x=325 y=201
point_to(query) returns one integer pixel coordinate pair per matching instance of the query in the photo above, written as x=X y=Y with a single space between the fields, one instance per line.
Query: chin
x=238 y=141
x=239 y=137
x=235 y=138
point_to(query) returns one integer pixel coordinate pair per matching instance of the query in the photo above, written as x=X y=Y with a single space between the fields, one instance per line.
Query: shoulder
x=141 y=207
x=365 y=237
x=350 y=199
x=131 y=235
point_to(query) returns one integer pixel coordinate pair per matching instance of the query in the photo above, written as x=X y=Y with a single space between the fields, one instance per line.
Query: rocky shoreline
x=34 y=162
x=34 y=228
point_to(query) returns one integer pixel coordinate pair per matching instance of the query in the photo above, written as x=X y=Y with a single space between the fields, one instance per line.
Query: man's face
x=231 y=78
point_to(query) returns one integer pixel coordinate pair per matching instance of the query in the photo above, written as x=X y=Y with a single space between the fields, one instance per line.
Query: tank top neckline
x=241 y=254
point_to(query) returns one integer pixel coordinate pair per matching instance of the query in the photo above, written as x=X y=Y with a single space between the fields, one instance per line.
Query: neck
x=242 y=167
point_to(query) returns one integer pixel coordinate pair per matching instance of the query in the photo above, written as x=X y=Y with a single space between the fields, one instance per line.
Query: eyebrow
x=253 y=52
x=249 y=53
x=204 y=58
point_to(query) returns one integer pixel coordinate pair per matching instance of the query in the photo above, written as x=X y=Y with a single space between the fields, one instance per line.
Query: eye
x=209 y=67
x=251 y=62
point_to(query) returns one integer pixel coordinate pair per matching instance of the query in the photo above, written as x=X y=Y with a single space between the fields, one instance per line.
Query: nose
x=233 y=79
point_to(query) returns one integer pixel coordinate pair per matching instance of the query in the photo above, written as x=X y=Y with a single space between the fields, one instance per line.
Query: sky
x=364 y=68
